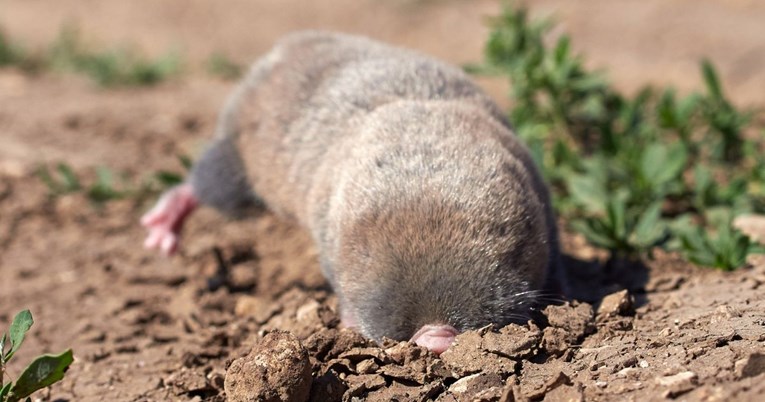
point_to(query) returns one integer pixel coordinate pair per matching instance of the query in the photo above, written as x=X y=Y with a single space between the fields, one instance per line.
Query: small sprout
x=103 y=189
x=62 y=181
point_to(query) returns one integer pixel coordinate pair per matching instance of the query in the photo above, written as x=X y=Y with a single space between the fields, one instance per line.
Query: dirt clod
x=678 y=384
x=468 y=356
x=277 y=369
x=615 y=304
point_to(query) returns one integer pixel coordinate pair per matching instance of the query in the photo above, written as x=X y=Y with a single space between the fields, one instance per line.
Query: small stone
x=725 y=313
x=627 y=372
x=368 y=366
x=472 y=384
x=615 y=304
x=678 y=384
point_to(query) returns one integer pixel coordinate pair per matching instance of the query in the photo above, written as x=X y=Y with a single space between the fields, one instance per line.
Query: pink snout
x=437 y=338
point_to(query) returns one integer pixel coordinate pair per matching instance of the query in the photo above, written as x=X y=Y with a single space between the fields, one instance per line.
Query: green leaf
x=561 y=49
x=588 y=192
x=5 y=390
x=661 y=163
x=21 y=324
x=168 y=179
x=666 y=109
x=2 y=349
x=688 y=105
x=103 y=189
x=595 y=233
x=42 y=372
x=711 y=80
x=702 y=177
x=719 y=217
x=71 y=182
x=616 y=209
x=649 y=228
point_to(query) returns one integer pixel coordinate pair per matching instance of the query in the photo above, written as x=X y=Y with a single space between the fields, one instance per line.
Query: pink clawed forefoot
x=165 y=220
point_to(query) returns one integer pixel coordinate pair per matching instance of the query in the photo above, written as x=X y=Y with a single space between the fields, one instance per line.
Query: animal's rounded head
x=427 y=271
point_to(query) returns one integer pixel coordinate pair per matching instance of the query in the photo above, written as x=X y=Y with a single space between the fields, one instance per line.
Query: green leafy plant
x=44 y=371
x=622 y=168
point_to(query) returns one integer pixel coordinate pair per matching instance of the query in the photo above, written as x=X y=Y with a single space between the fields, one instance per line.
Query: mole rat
x=428 y=213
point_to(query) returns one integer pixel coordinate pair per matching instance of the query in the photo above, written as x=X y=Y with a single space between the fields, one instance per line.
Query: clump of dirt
x=276 y=369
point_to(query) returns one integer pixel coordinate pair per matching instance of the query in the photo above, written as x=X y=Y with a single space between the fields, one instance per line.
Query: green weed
x=623 y=168
x=108 y=185
x=44 y=371
x=62 y=181
x=116 y=67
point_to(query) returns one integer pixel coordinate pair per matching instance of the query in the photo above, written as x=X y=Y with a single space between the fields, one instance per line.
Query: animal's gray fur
x=424 y=206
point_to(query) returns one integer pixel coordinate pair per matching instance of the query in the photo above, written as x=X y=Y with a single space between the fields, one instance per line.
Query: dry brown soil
x=146 y=328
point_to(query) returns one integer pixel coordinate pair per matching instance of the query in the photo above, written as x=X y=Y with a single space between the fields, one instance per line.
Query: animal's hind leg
x=217 y=179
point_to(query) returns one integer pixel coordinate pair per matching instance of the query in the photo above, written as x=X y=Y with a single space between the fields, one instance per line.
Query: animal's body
x=428 y=213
